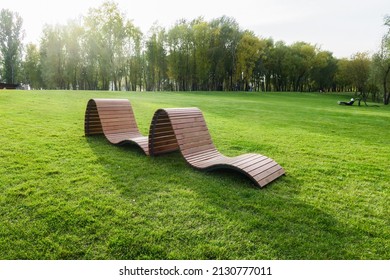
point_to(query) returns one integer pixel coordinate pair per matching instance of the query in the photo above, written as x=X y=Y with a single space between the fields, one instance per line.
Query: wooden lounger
x=185 y=129
x=115 y=119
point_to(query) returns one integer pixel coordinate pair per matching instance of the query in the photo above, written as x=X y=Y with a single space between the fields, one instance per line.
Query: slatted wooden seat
x=115 y=119
x=185 y=129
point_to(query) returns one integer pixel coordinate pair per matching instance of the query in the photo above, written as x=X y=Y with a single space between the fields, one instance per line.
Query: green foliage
x=53 y=54
x=359 y=69
x=156 y=68
x=105 y=51
x=249 y=49
x=11 y=36
x=223 y=50
x=64 y=196
x=380 y=71
x=324 y=71
x=106 y=26
x=202 y=33
x=32 y=67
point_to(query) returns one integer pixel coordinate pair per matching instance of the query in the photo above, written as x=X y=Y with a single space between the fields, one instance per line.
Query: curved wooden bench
x=185 y=129
x=115 y=119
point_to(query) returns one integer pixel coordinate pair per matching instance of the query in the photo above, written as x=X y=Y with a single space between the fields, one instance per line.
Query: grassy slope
x=64 y=196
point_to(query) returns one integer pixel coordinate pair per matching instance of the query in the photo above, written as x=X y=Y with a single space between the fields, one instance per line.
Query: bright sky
x=343 y=27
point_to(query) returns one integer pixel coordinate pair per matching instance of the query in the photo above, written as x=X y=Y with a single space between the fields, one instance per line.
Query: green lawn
x=64 y=196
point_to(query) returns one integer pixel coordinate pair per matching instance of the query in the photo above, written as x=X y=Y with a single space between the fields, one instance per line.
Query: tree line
x=105 y=51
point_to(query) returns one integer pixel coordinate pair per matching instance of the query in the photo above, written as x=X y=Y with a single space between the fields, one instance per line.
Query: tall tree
x=324 y=71
x=249 y=50
x=180 y=48
x=202 y=37
x=105 y=31
x=381 y=64
x=226 y=35
x=262 y=71
x=73 y=37
x=133 y=57
x=156 y=66
x=32 y=67
x=343 y=76
x=52 y=57
x=303 y=59
x=359 y=69
x=278 y=65
x=11 y=36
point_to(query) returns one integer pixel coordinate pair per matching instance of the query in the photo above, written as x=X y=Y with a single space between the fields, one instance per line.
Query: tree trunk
x=386 y=93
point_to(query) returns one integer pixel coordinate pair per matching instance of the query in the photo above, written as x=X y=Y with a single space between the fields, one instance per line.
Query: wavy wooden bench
x=185 y=129
x=115 y=119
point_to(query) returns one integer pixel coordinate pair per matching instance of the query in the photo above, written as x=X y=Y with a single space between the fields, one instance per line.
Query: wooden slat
x=258 y=161
x=243 y=158
x=264 y=181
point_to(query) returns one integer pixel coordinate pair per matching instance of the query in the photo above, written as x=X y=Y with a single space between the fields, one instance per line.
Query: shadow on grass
x=176 y=212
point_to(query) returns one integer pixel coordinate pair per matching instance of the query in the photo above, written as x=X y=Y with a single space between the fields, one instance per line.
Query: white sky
x=343 y=27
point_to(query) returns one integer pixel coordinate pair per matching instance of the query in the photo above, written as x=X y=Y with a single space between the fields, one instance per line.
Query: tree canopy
x=11 y=37
x=105 y=50
x=381 y=64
